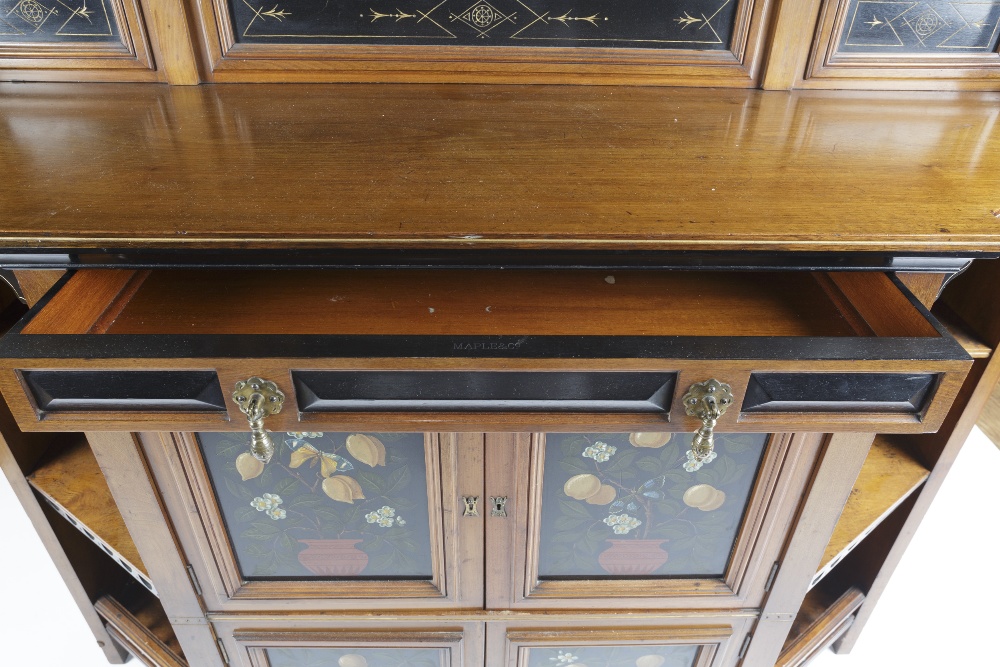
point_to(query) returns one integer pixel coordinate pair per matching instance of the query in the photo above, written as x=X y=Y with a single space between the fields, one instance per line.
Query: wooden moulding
x=890 y=474
x=819 y=624
x=828 y=67
x=74 y=485
x=456 y=541
x=146 y=633
x=516 y=584
x=230 y=59
x=130 y=59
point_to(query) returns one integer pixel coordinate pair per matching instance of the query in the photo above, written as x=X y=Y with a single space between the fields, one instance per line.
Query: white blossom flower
x=694 y=463
x=399 y=521
x=600 y=451
x=372 y=517
x=261 y=504
x=621 y=524
x=276 y=513
x=274 y=499
x=387 y=511
x=564 y=658
x=385 y=522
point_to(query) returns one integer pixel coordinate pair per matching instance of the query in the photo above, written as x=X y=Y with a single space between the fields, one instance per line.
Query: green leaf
x=328 y=514
x=241 y=492
x=306 y=501
x=286 y=544
x=622 y=461
x=245 y=513
x=649 y=464
x=567 y=523
x=261 y=531
x=285 y=486
x=398 y=480
x=370 y=482
x=670 y=453
x=573 y=509
x=575 y=466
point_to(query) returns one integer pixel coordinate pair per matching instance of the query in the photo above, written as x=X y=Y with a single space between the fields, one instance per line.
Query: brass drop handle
x=259 y=398
x=706 y=401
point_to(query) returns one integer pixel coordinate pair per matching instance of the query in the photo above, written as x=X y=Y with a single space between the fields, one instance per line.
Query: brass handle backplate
x=706 y=401
x=259 y=398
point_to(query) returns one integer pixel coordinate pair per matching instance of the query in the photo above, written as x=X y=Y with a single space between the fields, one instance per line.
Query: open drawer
x=478 y=350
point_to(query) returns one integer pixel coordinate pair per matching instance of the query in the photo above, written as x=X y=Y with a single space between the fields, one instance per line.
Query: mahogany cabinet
x=627 y=376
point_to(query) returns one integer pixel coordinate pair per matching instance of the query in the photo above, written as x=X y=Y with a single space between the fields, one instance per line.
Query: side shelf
x=889 y=476
x=74 y=485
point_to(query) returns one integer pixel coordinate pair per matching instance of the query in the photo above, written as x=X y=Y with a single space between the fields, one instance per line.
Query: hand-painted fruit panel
x=356 y=657
x=642 y=505
x=327 y=505
x=613 y=656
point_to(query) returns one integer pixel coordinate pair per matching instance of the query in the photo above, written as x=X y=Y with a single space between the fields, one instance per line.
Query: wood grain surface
x=108 y=165
x=554 y=302
x=889 y=476
x=74 y=481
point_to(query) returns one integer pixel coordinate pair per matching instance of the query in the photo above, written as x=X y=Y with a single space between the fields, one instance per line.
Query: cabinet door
x=681 y=641
x=310 y=642
x=632 y=520
x=333 y=520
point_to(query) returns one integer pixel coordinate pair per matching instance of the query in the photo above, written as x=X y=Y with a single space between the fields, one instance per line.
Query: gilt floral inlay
x=57 y=21
x=356 y=657
x=690 y=24
x=613 y=656
x=326 y=505
x=639 y=504
x=913 y=27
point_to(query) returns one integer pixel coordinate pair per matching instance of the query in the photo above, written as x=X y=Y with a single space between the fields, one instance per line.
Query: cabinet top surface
x=449 y=166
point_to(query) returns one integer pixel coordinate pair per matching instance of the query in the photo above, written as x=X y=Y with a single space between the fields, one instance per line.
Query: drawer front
x=480 y=350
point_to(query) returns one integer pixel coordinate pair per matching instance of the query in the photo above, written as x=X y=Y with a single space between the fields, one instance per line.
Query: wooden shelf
x=976 y=348
x=146 y=632
x=890 y=474
x=73 y=484
x=822 y=619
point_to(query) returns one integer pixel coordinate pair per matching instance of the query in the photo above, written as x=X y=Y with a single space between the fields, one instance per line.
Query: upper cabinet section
x=874 y=44
x=710 y=42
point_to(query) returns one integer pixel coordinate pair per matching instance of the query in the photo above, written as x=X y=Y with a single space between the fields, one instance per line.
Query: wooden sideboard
x=489 y=310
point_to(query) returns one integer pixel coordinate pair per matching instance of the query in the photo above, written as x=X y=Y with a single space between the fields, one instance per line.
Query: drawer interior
x=482 y=303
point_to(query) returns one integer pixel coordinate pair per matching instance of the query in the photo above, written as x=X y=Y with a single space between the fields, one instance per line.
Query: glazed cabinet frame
x=514 y=467
x=454 y=469
x=459 y=644
x=130 y=58
x=230 y=60
x=719 y=635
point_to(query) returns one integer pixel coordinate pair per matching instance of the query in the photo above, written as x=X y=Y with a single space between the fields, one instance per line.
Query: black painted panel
x=180 y=391
x=645 y=24
x=936 y=26
x=474 y=391
x=85 y=21
x=839 y=392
